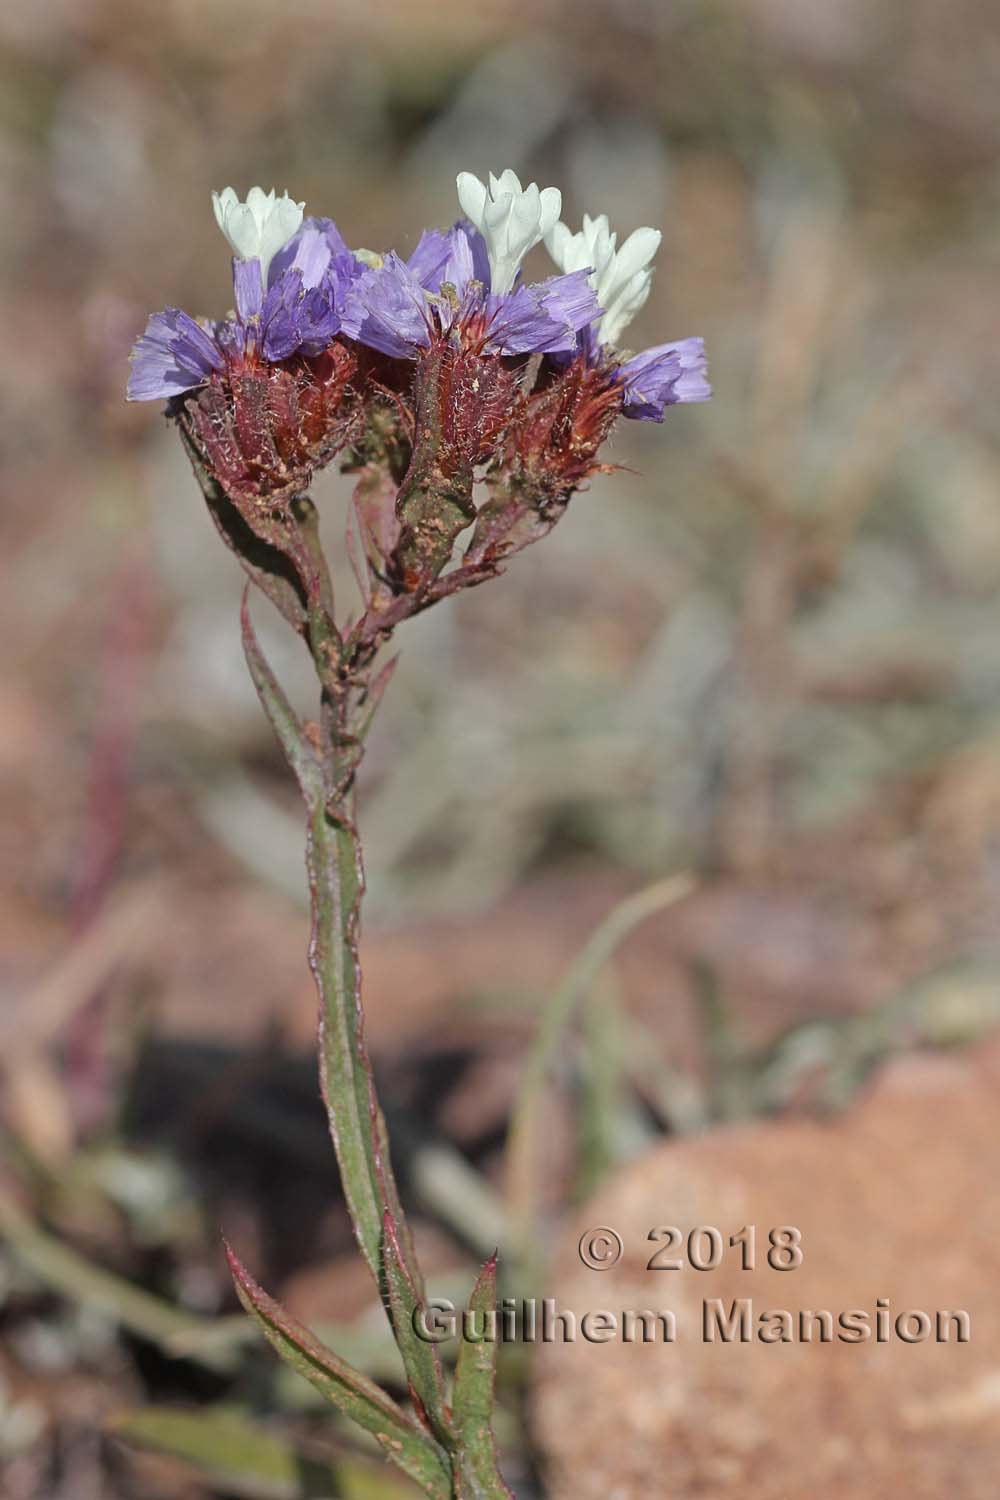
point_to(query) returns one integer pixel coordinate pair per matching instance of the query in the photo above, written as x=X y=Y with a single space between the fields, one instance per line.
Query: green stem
x=357 y=1126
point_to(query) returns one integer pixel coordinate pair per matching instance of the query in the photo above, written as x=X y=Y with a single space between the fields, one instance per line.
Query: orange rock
x=897 y=1202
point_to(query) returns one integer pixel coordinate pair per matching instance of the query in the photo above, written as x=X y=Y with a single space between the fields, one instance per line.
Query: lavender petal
x=318 y=320
x=664 y=376
x=474 y=249
x=544 y=317
x=456 y=257
x=429 y=259
x=280 y=328
x=248 y=289
x=310 y=250
x=389 y=308
x=173 y=354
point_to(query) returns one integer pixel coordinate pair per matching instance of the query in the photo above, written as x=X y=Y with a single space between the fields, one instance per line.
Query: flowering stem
x=423 y=376
x=448 y=1453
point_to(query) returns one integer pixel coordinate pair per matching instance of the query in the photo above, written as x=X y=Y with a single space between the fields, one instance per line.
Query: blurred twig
x=37 y=1104
x=246 y=1461
x=604 y=1104
x=77 y=1278
x=523 y=1144
x=215 y=1343
x=123 y=925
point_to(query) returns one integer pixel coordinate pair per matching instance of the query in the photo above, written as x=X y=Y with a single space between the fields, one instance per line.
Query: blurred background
x=764 y=652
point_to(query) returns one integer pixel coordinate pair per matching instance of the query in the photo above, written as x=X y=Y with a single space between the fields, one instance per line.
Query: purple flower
x=621 y=278
x=312 y=250
x=173 y=355
x=400 y=305
x=651 y=381
x=390 y=306
x=543 y=317
x=662 y=377
x=456 y=257
x=300 y=311
x=290 y=317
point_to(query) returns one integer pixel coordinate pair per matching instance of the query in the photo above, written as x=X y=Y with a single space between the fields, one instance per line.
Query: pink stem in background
x=88 y=1071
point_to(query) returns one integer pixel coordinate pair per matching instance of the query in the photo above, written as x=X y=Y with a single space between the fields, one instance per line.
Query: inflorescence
x=439 y=370
x=469 y=402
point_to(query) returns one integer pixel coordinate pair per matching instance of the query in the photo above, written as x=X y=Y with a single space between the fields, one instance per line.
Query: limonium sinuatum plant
x=470 y=404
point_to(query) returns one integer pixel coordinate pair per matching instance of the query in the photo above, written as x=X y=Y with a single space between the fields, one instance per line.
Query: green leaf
x=281 y=716
x=244 y=1460
x=420 y=1357
x=475 y=1375
x=351 y=1392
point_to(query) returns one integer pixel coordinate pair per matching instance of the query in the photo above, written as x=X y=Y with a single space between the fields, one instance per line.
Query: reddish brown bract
x=467 y=399
x=553 y=442
x=263 y=430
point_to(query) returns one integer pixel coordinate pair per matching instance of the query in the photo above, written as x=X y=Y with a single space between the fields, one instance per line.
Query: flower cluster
x=445 y=367
x=290 y=285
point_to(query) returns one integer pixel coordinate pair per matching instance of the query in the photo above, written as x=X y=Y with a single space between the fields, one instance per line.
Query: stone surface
x=898 y=1199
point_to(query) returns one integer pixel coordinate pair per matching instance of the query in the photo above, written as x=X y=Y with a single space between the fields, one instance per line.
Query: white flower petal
x=559 y=244
x=259 y=227
x=622 y=308
x=551 y=208
x=471 y=196
x=621 y=279
x=220 y=205
x=507 y=182
x=637 y=251
x=243 y=231
x=510 y=218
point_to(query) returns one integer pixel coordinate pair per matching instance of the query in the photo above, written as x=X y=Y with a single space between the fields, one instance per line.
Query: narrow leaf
x=475 y=1375
x=281 y=716
x=352 y=545
x=350 y=1391
x=420 y=1356
x=603 y=1106
x=246 y=1461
